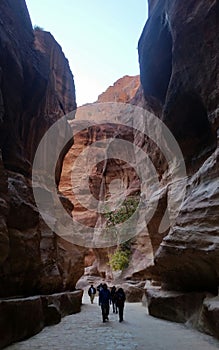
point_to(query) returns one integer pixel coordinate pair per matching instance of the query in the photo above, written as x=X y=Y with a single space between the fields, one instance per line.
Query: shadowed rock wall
x=36 y=89
x=178 y=54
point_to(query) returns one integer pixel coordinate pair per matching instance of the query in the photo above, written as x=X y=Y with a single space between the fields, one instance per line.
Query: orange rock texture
x=93 y=128
x=123 y=90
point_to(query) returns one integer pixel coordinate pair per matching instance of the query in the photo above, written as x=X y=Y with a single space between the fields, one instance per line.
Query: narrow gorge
x=173 y=261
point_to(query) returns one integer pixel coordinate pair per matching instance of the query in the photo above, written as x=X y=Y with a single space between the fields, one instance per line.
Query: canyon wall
x=36 y=89
x=178 y=62
x=103 y=174
x=178 y=55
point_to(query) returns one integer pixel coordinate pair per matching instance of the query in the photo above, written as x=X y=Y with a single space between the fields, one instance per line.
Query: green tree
x=119 y=260
x=122 y=214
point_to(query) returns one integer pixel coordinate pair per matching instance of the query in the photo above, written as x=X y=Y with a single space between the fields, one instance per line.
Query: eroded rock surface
x=36 y=89
x=90 y=119
x=178 y=53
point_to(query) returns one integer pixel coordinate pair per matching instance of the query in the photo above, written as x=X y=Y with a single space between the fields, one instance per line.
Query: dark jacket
x=104 y=297
x=120 y=297
x=113 y=294
x=90 y=291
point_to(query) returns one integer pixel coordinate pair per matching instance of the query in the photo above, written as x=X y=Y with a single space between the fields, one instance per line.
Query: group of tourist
x=116 y=297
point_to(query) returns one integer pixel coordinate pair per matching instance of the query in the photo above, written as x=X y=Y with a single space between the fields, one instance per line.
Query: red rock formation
x=36 y=89
x=100 y=178
x=123 y=90
x=103 y=174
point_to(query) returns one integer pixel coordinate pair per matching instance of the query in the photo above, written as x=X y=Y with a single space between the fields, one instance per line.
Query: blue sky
x=98 y=37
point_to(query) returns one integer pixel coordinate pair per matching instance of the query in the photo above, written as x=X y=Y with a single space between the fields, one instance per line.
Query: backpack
x=119 y=298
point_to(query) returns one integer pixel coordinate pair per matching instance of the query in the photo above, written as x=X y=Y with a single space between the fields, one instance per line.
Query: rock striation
x=36 y=89
x=178 y=55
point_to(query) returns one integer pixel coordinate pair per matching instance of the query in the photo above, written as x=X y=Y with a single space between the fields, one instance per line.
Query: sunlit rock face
x=101 y=176
x=178 y=54
x=94 y=128
x=36 y=89
x=123 y=90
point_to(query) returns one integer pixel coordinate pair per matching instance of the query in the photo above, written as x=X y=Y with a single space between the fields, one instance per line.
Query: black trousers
x=121 y=309
x=105 y=311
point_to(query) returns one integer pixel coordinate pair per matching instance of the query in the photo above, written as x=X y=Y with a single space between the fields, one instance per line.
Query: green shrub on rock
x=119 y=260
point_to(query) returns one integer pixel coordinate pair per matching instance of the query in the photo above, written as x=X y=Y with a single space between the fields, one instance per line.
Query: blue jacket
x=104 y=297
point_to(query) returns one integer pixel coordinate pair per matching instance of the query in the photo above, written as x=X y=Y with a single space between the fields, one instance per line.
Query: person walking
x=120 y=302
x=100 y=287
x=91 y=293
x=113 y=298
x=104 y=302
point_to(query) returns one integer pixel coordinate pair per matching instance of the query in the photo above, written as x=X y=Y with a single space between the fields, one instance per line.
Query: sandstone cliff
x=123 y=90
x=178 y=62
x=100 y=178
x=93 y=128
x=36 y=88
x=178 y=54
